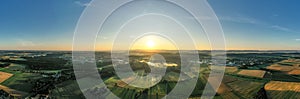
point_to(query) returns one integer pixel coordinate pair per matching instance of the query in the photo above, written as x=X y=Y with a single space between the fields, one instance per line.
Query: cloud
x=82 y=4
x=202 y=18
x=250 y=20
x=26 y=43
x=240 y=19
x=236 y=19
x=277 y=27
x=103 y=37
x=297 y=39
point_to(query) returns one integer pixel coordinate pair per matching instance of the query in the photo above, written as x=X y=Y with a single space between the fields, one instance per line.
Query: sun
x=150 y=44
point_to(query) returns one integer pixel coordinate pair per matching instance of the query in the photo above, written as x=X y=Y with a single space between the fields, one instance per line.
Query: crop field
x=13 y=92
x=237 y=88
x=294 y=72
x=21 y=81
x=278 y=67
x=228 y=79
x=128 y=92
x=229 y=95
x=159 y=90
x=68 y=89
x=279 y=76
x=286 y=66
x=291 y=61
x=13 y=66
x=4 y=76
x=225 y=91
x=244 y=88
x=171 y=76
x=283 y=90
x=253 y=73
x=231 y=69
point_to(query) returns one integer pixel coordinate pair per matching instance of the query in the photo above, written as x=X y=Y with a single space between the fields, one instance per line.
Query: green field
x=21 y=81
x=66 y=90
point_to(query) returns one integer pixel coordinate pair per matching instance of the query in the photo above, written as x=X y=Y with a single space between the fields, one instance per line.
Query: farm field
x=126 y=91
x=239 y=87
x=253 y=73
x=4 y=76
x=294 y=72
x=246 y=89
x=280 y=76
x=286 y=66
x=283 y=90
x=244 y=79
x=13 y=92
x=68 y=89
x=231 y=69
x=236 y=88
x=224 y=91
x=171 y=76
x=13 y=66
x=21 y=81
x=283 y=68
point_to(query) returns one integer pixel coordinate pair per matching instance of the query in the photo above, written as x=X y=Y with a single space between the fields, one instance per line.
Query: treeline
x=42 y=63
x=4 y=64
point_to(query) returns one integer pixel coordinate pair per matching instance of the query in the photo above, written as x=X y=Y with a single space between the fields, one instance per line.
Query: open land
x=49 y=74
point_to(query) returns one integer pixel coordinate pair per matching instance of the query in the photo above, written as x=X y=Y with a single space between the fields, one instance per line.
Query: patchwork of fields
x=283 y=90
x=290 y=66
x=235 y=88
x=277 y=79
x=4 y=77
x=13 y=92
x=68 y=89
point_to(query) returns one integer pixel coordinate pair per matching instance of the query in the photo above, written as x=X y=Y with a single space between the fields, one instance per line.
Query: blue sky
x=259 y=24
x=247 y=24
x=38 y=24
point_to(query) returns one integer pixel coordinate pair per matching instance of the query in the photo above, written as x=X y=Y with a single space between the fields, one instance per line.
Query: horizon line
x=153 y=50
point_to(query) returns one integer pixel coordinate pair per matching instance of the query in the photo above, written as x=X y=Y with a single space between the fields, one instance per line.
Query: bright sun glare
x=150 y=44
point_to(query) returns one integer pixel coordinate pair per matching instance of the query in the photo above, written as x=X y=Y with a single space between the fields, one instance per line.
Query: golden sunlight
x=150 y=44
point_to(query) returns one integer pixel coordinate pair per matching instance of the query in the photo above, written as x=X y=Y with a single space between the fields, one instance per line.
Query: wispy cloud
x=297 y=39
x=236 y=19
x=240 y=19
x=104 y=37
x=250 y=20
x=83 y=4
x=202 y=18
x=26 y=43
x=280 y=28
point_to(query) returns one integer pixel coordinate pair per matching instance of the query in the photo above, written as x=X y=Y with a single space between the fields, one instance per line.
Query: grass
x=7 y=70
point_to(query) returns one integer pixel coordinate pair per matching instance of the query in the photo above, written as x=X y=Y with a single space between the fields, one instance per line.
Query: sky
x=247 y=25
